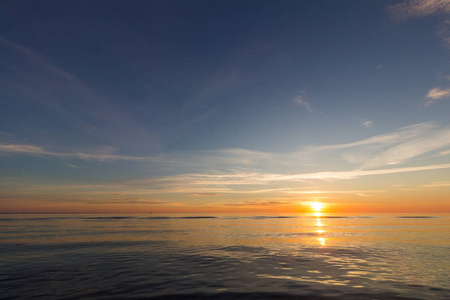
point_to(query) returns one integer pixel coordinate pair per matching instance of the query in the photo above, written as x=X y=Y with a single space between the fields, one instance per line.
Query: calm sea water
x=198 y=256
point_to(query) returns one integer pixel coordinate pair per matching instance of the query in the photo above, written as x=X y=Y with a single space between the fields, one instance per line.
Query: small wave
x=308 y=294
x=243 y=249
x=6 y=219
x=343 y=217
x=167 y=218
x=294 y=234
x=416 y=217
x=35 y=219
x=271 y=217
x=198 y=217
x=75 y=246
x=107 y=218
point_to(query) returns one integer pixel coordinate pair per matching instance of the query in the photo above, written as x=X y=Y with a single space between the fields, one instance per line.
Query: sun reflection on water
x=317 y=207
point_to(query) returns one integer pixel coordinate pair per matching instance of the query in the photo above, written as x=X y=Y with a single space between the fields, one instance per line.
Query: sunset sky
x=225 y=106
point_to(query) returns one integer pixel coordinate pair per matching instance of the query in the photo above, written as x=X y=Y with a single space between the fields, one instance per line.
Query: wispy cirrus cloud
x=367 y=123
x=396 y=147
x=128 y=201
x=423 y=8
x=262 y=203
x=418 y=8
x=437 y=184
x=399 y=135
x=31 y=77
x=410 y=149
x=252 y=179
x=300 y=100
x=436 y=94
x=35 y=150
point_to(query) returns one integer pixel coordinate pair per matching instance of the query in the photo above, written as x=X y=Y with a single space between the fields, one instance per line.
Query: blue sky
x=197 y=105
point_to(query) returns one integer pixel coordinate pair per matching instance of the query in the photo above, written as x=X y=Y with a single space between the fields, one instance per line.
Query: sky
x=224 y=106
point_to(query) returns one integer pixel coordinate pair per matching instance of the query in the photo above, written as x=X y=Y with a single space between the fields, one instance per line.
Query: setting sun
x=316 y=206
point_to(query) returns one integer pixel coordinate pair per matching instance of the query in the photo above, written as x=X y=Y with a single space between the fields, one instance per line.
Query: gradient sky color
x=224 y=106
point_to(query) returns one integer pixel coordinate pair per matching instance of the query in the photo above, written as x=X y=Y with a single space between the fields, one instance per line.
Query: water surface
x=240 y=256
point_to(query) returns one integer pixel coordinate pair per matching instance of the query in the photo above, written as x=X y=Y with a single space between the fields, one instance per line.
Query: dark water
x=224 y=257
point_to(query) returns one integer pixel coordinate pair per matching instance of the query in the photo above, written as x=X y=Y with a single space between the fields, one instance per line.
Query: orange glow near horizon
x=400 y=202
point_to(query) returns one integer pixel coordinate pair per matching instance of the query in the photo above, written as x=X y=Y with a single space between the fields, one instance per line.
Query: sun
x=316 y=206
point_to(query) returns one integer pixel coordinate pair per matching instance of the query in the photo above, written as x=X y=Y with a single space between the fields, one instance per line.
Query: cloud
x=367 y=123
x=30 y=77
x=443 y=32
x=396 y=136
x=25 y=149
x=361 y=193
x=395 y=147
x=423 y=8
x=204 y=194
x=447 y=152
x=235 y=181
x=35 y=150
x=436 y=94
x=437 y=184
x=261 y=203
x=410 y=149
x=129 y=201
x=418 y=8
x=301 y=101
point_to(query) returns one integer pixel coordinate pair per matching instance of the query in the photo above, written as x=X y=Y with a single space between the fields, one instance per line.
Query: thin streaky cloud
x=35 y=150
x=37 y=59
x=128 y=201
x=34 y=78
x=24 y=149
x=407 y=150
x=350 y=192
x=215 y=184
x=260 y=203
x=437 y=184
x=394 y=137
x=410 y=9
x=443 y=32
x=246 y=178
x=360 y=173
x=418 y=8
x=395 y=147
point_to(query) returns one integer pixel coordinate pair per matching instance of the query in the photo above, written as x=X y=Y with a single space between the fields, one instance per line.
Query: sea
x=224 y=256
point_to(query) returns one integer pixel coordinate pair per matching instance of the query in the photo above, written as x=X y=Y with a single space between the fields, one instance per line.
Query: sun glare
x=316 y=206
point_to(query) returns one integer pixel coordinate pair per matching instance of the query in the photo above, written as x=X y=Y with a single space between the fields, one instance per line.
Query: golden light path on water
x=317 y=207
